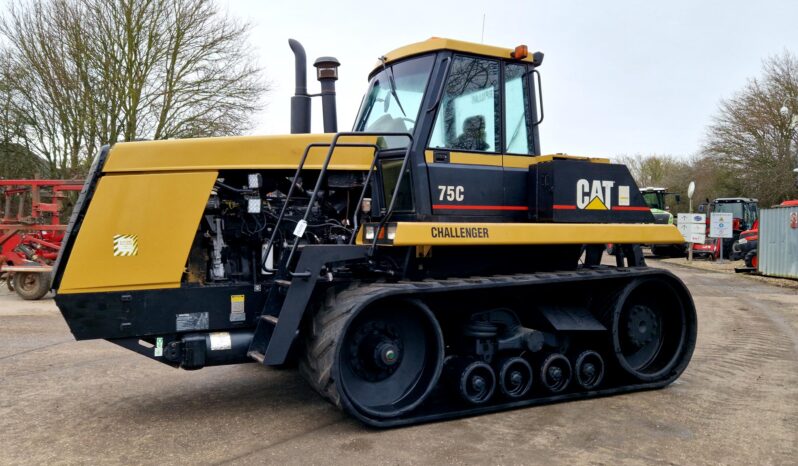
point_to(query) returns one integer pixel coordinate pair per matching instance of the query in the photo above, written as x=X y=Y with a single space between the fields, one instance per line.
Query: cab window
x=469 y=114
x=517 y=118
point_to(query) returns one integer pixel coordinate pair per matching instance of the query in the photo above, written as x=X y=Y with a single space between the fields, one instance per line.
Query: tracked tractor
x=429 y=264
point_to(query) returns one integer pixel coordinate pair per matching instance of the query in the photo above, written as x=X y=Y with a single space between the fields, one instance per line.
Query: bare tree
x=752 y=141
x=16 y=159
x=97 y=72
x=664 y=171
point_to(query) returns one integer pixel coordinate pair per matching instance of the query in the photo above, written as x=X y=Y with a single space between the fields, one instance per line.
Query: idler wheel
x=589 y=369
x=515 y=377
x=474 y=381
x=653 y=329
x=390 y=358
x=555 y=372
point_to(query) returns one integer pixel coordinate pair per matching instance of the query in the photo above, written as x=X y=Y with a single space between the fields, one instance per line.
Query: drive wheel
x=31 y=285
x=653 y=330
x=376 y=361
x=390 y=358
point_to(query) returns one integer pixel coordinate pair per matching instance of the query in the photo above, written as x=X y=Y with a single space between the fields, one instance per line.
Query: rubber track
x=321 y=335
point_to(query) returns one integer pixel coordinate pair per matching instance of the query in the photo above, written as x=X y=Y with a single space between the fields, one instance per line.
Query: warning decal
x=126 y=245
x=237 y=308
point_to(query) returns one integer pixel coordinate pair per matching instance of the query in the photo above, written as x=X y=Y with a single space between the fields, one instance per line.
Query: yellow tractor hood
x=240 y=152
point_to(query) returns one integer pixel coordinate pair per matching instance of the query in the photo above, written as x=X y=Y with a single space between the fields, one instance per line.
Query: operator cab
x=473 y=112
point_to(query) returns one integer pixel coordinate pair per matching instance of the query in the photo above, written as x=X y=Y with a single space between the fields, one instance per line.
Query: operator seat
x=473 y=137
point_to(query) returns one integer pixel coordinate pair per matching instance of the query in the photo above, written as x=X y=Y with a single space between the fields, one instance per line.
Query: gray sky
x=618 y=77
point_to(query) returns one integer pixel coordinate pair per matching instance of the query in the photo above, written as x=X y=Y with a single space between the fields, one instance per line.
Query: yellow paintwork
x=524 y=161
x=483 y=234
x=161 y=209
x=509 y=161
x=242 y=152
x=435 y=44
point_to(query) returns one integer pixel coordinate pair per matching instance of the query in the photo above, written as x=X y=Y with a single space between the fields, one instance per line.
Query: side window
x=517 y=120
x=469 y=113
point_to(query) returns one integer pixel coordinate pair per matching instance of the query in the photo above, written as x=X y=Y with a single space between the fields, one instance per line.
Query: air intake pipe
x=300 y=102
x=327 y=74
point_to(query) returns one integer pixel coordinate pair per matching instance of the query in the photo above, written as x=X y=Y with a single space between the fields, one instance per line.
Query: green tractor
x=656 y=199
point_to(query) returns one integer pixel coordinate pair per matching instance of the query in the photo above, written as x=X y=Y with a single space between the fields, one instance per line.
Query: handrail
x=323 y=172
x=396 y=188
x=291 y=192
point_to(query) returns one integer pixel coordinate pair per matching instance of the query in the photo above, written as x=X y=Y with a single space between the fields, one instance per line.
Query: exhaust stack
x=300 y=102
x=327 y=74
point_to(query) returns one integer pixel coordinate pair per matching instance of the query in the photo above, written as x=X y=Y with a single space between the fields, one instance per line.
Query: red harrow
x=31 y=232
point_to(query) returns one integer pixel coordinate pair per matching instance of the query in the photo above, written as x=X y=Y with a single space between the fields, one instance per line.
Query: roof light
x=520 y=52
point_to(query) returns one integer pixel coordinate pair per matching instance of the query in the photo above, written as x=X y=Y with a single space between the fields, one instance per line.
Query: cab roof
x=434 y=44
x=734 y=199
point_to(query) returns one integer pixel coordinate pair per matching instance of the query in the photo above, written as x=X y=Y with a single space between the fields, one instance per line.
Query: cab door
x=464 y=154
x=520 y=115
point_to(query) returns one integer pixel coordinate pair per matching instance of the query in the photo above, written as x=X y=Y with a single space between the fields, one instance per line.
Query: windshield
x=655 y=200
x=735 y=208
x=384 y=110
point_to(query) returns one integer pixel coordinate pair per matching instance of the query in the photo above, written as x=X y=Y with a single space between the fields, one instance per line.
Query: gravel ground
x=728 y=266
x=67 y=402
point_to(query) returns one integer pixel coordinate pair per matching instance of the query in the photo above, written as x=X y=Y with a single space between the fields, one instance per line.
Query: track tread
x=321 y=338
x=324 y=328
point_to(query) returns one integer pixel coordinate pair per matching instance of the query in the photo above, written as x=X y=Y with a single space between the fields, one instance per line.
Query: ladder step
x=270 y=319
x=257 y=356
x=283 y=282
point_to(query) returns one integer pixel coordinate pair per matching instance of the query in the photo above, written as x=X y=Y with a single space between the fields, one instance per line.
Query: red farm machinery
x=31 y=231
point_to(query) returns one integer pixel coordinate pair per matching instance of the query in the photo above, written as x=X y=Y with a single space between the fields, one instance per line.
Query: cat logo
x=594 y=195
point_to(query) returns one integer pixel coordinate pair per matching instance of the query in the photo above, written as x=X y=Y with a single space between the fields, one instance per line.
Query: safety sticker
x=299 y=229
x=237 y=308
x=126 y=245
x=159 y=347
x=220 y=341
x=192 y=321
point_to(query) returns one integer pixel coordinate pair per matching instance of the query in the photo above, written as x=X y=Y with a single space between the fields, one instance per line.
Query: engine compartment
x=240 y=219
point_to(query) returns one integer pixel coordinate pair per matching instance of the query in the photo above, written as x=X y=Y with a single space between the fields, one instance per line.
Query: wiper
x=393 y=85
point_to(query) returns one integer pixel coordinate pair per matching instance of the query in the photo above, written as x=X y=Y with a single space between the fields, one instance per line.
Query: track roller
x=515 y=377
x=589 y=368
x=473 y=380
x=555 y=372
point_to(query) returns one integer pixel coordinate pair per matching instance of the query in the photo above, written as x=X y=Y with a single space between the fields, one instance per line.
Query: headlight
x=369 y=231
x=391 y=233
x=254 y=180
x=253 y=205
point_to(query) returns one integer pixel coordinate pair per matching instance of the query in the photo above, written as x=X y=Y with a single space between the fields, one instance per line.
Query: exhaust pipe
x=300 y=102
x=327 y=74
